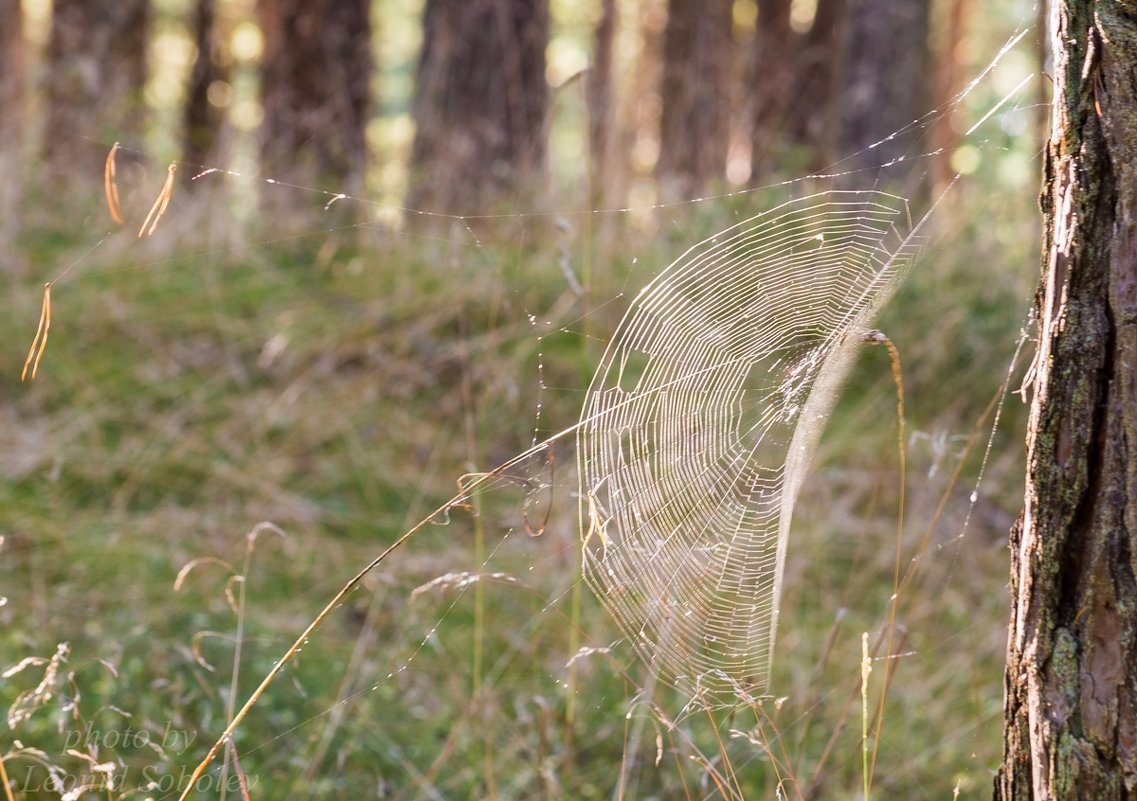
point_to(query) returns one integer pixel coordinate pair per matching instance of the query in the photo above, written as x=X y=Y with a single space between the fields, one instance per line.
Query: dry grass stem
x=902 y=457
x=462 y=580
x=188 y=567
x=462 y=497
x=242 y=780
x=4 y=780
x=866 y=669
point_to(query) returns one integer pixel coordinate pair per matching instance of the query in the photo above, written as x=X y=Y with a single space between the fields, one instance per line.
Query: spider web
x=699 y=423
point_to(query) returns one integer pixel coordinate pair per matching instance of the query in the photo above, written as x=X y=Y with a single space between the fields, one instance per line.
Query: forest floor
x=336 y=380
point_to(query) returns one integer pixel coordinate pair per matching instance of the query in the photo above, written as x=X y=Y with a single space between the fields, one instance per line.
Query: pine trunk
x=316 y=90
x=95 y=82
x=1071 y=680
x=203 y=115
x=601 y=119
x=12 y=110
x=12 y=70
x=949 y=77
x=884 y=87
x=812 y=118
x=772 y=79
x=480 y=104
x=695 y=122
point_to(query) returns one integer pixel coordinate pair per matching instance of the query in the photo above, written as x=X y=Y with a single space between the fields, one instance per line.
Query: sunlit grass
x=338 y=384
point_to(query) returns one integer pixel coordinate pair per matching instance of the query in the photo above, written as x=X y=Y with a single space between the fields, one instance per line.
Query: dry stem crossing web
x=701 y=418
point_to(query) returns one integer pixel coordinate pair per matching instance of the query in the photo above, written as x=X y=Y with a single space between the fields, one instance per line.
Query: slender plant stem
x=4 y=780
x=866 y=670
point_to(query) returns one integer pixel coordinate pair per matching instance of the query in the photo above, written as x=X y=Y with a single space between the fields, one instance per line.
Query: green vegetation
x=337 y=384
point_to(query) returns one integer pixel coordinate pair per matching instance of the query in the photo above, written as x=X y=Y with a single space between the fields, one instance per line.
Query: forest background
x=397 y=240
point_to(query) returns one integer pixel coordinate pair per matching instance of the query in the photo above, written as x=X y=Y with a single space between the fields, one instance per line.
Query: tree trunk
x=695 y=122
x=601 y=130
x=772 y=82
x=948 y=83
x=12 y=70
x=1071 y=680
x=203 y=115
x=812 y=118
x=96 y=77
x=316 y=90
x=480 y=104
x=12 y=110
x=884 y=86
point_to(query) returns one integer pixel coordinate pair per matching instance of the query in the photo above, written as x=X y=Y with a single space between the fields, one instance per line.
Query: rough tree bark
x=316 y=89
x=480 y=104
x=95 y=80
x=695 y=122
x=1071 y=680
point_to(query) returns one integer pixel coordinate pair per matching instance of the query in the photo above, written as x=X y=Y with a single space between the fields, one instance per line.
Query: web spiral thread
x=698 y=426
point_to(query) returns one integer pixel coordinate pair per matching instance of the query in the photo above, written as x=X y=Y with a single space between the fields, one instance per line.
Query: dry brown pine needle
x=39 y=344
x=159 y=207
x=110 y=186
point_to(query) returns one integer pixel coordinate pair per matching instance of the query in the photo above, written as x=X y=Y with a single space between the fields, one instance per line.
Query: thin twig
x=902 y=455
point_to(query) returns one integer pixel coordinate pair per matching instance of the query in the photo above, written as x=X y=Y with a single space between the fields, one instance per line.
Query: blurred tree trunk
x=643 y=105
x=316 y=90
x=480 y=104
x=601 y=117
x=202 y=116
x=12 y=110
x=1071 y=679
x=884 y=85
x=695 y=123
x=12 y=70
x=771 y=81
x=812 y=118
x=949 y=81
x=95 y=82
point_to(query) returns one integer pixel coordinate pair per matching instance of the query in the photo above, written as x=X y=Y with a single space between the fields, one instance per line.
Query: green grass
x=336 y=384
